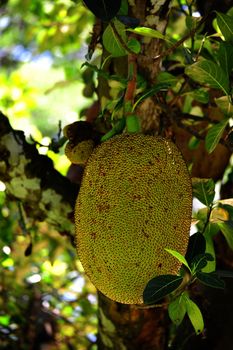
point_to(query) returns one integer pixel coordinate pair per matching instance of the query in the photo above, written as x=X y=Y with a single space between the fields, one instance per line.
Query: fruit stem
x=133 y=124
x=132 y=120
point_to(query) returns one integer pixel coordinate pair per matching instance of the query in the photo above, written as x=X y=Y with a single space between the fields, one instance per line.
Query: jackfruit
x=135 y=200
x=80 y=153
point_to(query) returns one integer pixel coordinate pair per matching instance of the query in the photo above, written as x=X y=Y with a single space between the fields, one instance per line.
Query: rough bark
x=31 y=179
x=129 y=327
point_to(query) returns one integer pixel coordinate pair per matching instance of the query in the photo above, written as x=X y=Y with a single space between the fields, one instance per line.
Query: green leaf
x=151 y=92
x=225 y=105
x=167 y=78
x=160 y=286
x=201 y=95
x=208 y=72
x=111 y=41
x=210 y=231
x=177 y=310
x=124 y=8
x=225 y=24
x=134 y=45
x=178 y=256
x=224 y=273
x=199 y=262
x=4 y=320
x=214 y=135
x=203 y=190
x=227 y=230
x=194 y=315
x=210 y=279
x=193 y=143
x=196 y=246
x=224 y=57
x=148 y=32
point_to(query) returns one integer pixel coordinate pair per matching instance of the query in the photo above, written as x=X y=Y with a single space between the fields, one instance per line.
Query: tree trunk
x=130 y=327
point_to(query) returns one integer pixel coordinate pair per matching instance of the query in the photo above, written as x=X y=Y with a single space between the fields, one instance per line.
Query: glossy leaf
x=210 y=231
x=178 y=256
x=225 y=24
x=227 y=230
x=166 y=78
x=210 y=279
x=103 y=9
x=204 y=190
x=134 y=45
x=214 y=135
x=194 y=315
x=224 y=56
x=177 y=310
x=225 y=105
x=111 y=41
x=200 y=261
x=200 y=95
x=159 y=287
x=196 y=246
x=148 y=32
x=208 y=72
x=151 y=92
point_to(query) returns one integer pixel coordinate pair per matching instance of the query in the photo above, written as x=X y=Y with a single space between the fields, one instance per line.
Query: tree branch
x=30 y=178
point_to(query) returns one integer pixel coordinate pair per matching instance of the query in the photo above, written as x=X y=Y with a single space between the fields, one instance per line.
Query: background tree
x=172 y=61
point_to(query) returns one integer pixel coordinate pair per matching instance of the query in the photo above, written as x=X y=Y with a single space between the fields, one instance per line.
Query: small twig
x=208 y=218
x=22 y=221
x=142 y=307
x=182 y=40
x=132 y=79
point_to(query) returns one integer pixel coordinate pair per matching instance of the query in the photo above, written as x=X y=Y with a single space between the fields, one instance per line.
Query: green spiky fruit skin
x=135 y=200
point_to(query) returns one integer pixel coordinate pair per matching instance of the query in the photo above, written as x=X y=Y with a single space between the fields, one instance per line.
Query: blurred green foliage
x=44 y=297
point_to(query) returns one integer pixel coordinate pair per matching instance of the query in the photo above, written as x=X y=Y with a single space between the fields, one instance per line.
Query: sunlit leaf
x=208 y=72
x=225 y=24
x=227 y=230
x=225 y=105
x=160 y=286
x=214 y=135
x=134 y=45
x=200 y=95
x=151 y=33
x=204 y=190
x=178 y=256
x=4 y=320
x=200 y=261
x=111 y=41
x=177 y=310
x=194 y=315
x=219 y=214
